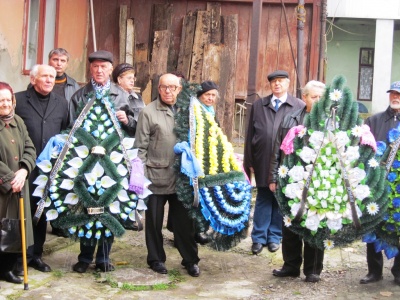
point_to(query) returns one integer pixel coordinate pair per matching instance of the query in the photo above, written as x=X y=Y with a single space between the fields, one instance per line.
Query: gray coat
x=155 y=140
x=16 y=151
x=263 y=126
x=382 y=122
x=70 y=88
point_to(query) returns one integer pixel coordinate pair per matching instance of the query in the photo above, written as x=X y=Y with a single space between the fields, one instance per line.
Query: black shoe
x=80 y=267
x=256 y=248
x=273 y=247
x=159 y=267
x=285 y=273
x=201 y=238
x=193 y=270
x=312 y=278
x=371 y=278
x=10 y=277
x=18 y=269
x=40 y=265
x=397 y=280
x=105 y=267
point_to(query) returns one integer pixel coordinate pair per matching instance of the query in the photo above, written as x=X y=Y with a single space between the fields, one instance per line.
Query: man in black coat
x=266 y=115
x=45 y=114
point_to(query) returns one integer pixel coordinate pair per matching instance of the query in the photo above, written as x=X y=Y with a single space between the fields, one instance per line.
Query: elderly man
x=380 y=125
x=100 y=84
x=155 y=140
x=45 y=114
x=65 y=85
x=266 y=115
x=292 y=244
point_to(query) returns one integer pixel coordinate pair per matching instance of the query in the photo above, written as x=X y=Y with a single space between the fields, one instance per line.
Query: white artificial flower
x=357 y=131
x=316 y=183
x=295 y=208
x=308 y=155
x=324 y=173
x=340 y=189
x=296 y=173
x=312 y=222
x=329 y=244
x=333 y=191
x=356 y=175
x=312 y=201
x=324 y=204
x=352 y=153
x=336 y=95
x=316 y=139
x=361 y=191
x=373 y=208
x=334 y=224
x=373 y=163
x=291 y=189
x=323 y=158
x=302 y=132
x=283 y=171
x=287 y=221
x=341 y=139
x=328 y=151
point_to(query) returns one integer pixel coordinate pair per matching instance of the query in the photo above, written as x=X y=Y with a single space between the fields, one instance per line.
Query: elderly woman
x=124 y=76
x=17 y=160
x=208 y=95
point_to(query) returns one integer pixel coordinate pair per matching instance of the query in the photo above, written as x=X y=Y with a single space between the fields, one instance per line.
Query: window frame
x=363 y=66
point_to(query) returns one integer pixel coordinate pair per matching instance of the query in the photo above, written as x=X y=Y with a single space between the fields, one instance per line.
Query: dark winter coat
x=263 y=126
x=16 y=152
x=382 y=122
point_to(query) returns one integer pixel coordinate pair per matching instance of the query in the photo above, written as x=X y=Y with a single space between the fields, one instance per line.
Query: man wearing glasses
x=155 y=140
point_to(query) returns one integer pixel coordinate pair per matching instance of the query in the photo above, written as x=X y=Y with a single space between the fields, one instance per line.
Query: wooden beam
x=212 y=62
x=185 y=48
x=123 y=13
x=130 y=42
x=159 y=56
x=215 y=9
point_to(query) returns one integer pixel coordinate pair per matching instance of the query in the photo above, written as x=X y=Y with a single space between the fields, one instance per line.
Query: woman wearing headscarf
x=17 y=160
x=124 y=76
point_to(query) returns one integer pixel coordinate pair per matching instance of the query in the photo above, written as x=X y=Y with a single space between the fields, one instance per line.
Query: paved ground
x=234 y=274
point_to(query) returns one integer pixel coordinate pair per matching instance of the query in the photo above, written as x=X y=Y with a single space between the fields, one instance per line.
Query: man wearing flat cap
x=380 y=124
x=100 y=84
x=266 y=115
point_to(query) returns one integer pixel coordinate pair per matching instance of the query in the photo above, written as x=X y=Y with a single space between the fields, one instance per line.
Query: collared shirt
x=282 y=99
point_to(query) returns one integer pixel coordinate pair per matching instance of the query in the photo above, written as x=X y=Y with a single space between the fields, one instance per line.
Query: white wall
x=367 y=9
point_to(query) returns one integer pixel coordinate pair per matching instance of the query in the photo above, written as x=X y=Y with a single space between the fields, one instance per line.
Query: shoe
x=371 y=278
x=40 y=265
x=285 y=273
x=193 y=270
x=80 y=267
x=201 y=238
x=18 y=269
x=105 y=267
x=397 y=280
x=256 y=248
x=10 y=277
x=159 y=267
x=312 y=278
x=273 y=247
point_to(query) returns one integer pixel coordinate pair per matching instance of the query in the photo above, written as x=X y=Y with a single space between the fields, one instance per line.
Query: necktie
x=277 y=102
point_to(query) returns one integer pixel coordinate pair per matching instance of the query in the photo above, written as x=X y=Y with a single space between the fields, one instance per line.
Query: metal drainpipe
x=300 y=46
x=322 y=47
x=93 y=29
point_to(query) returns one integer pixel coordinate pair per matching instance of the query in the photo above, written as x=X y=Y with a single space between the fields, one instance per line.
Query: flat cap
x=395 y=86
x=207 y=86
x=278 y=74
x=101 y=55
x=120 y=69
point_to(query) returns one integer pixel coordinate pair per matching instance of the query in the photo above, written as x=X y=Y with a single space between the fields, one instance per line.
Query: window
x=39 y=31
x=366 y=73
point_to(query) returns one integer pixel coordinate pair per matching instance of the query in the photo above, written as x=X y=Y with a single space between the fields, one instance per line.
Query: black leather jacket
x=288 y=122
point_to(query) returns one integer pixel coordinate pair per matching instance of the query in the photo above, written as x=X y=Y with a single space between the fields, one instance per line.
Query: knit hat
x=120 y=69
x=207 y=86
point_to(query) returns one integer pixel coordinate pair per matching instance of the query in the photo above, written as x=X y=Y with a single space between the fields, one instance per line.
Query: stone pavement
x=234 y=274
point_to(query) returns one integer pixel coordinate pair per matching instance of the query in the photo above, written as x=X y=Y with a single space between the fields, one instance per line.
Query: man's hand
x=122 y=117
x=272 y=187
x=19 y=180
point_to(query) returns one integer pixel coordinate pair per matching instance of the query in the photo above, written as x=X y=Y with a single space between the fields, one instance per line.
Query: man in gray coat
x=266 y=115
x=155 y=140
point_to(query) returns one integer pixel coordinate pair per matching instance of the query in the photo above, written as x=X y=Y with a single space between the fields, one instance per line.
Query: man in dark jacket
x=100 y=84
x=266 y=115
x=292 y=244
x=380 y=125
x=45 y=114
x=65 y=85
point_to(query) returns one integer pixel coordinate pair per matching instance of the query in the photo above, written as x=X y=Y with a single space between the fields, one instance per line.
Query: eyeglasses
x=164 y=88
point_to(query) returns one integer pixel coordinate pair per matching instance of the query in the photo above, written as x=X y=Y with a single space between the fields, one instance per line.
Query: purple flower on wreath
x=396 y=164
x=380 y=148
x=393 y=135
x=396 y=202
x=385 y=217
x=392 y=176
x=390 y=227
x=396 y=217
x=398 y=189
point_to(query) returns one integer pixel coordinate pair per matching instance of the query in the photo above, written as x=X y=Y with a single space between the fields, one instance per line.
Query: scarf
x=136 y=182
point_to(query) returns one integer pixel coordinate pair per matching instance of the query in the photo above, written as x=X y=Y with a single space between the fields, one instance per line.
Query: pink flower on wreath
x=367 y=137
x=287 y=144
